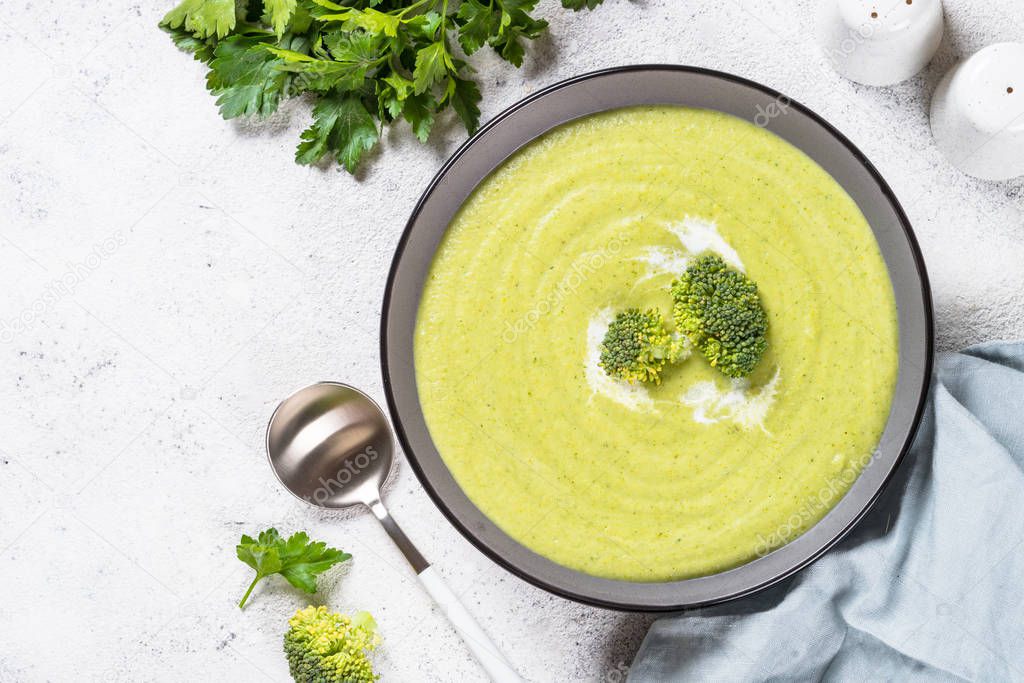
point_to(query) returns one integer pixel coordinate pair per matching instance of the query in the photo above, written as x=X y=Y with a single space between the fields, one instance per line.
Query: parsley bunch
x=368 y=62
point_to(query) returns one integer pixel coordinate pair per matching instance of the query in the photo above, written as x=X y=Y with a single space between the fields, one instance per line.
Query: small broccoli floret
x=637 y=346
x=720 y=311
x=325 y=647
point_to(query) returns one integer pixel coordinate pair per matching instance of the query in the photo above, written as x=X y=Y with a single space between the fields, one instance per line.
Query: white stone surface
x=168 y=276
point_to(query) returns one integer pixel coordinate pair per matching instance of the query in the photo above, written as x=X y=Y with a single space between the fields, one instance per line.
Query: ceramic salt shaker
x=879 y=42
x=978 y=113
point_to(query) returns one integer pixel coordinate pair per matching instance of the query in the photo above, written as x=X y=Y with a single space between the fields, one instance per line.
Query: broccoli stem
x=246 y=596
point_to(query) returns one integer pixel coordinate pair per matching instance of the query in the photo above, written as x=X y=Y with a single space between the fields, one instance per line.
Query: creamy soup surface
x=700 y=473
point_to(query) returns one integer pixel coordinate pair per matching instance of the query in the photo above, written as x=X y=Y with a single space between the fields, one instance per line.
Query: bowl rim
x=628 y=598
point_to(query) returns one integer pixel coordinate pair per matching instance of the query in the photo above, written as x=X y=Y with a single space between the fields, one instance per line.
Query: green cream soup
x=700 y=473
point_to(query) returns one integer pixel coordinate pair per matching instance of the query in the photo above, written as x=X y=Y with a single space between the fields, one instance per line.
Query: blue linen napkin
x=927 y=587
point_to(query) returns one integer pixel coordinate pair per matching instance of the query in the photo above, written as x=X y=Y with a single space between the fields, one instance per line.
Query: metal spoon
x=331 y=446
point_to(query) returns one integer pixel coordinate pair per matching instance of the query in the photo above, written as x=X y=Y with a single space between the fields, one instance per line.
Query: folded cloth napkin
x=927 y=587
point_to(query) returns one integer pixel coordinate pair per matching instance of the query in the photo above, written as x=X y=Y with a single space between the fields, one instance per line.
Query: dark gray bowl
x=611 y=89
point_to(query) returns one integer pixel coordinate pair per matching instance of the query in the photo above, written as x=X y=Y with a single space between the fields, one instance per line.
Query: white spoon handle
x=496 y=666
x=490 y=658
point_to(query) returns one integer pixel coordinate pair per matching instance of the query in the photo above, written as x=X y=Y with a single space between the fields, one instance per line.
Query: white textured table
x=169 y=276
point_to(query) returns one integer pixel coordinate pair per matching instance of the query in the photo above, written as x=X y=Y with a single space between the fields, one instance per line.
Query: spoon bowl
x=330 y=445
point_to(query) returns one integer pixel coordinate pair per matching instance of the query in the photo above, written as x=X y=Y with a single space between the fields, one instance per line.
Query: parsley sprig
x=367 y=62
x=296 y=558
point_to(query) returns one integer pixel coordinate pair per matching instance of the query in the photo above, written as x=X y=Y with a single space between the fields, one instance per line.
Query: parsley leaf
x=516 y=24
x=203 y=18
x=372 y=21
x=296 y=559
x=279 y=13
x=432 y=65
x=245 y=77
x=477 y=24
x=357 y=46
x=321 y=74
x=392 y=92
x=200 y=48
x=342 y=126
x=465 y=97
x=418 y=111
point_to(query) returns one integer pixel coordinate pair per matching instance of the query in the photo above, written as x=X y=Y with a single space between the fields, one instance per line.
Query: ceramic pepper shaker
x=978 y=113
x=879 y=42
